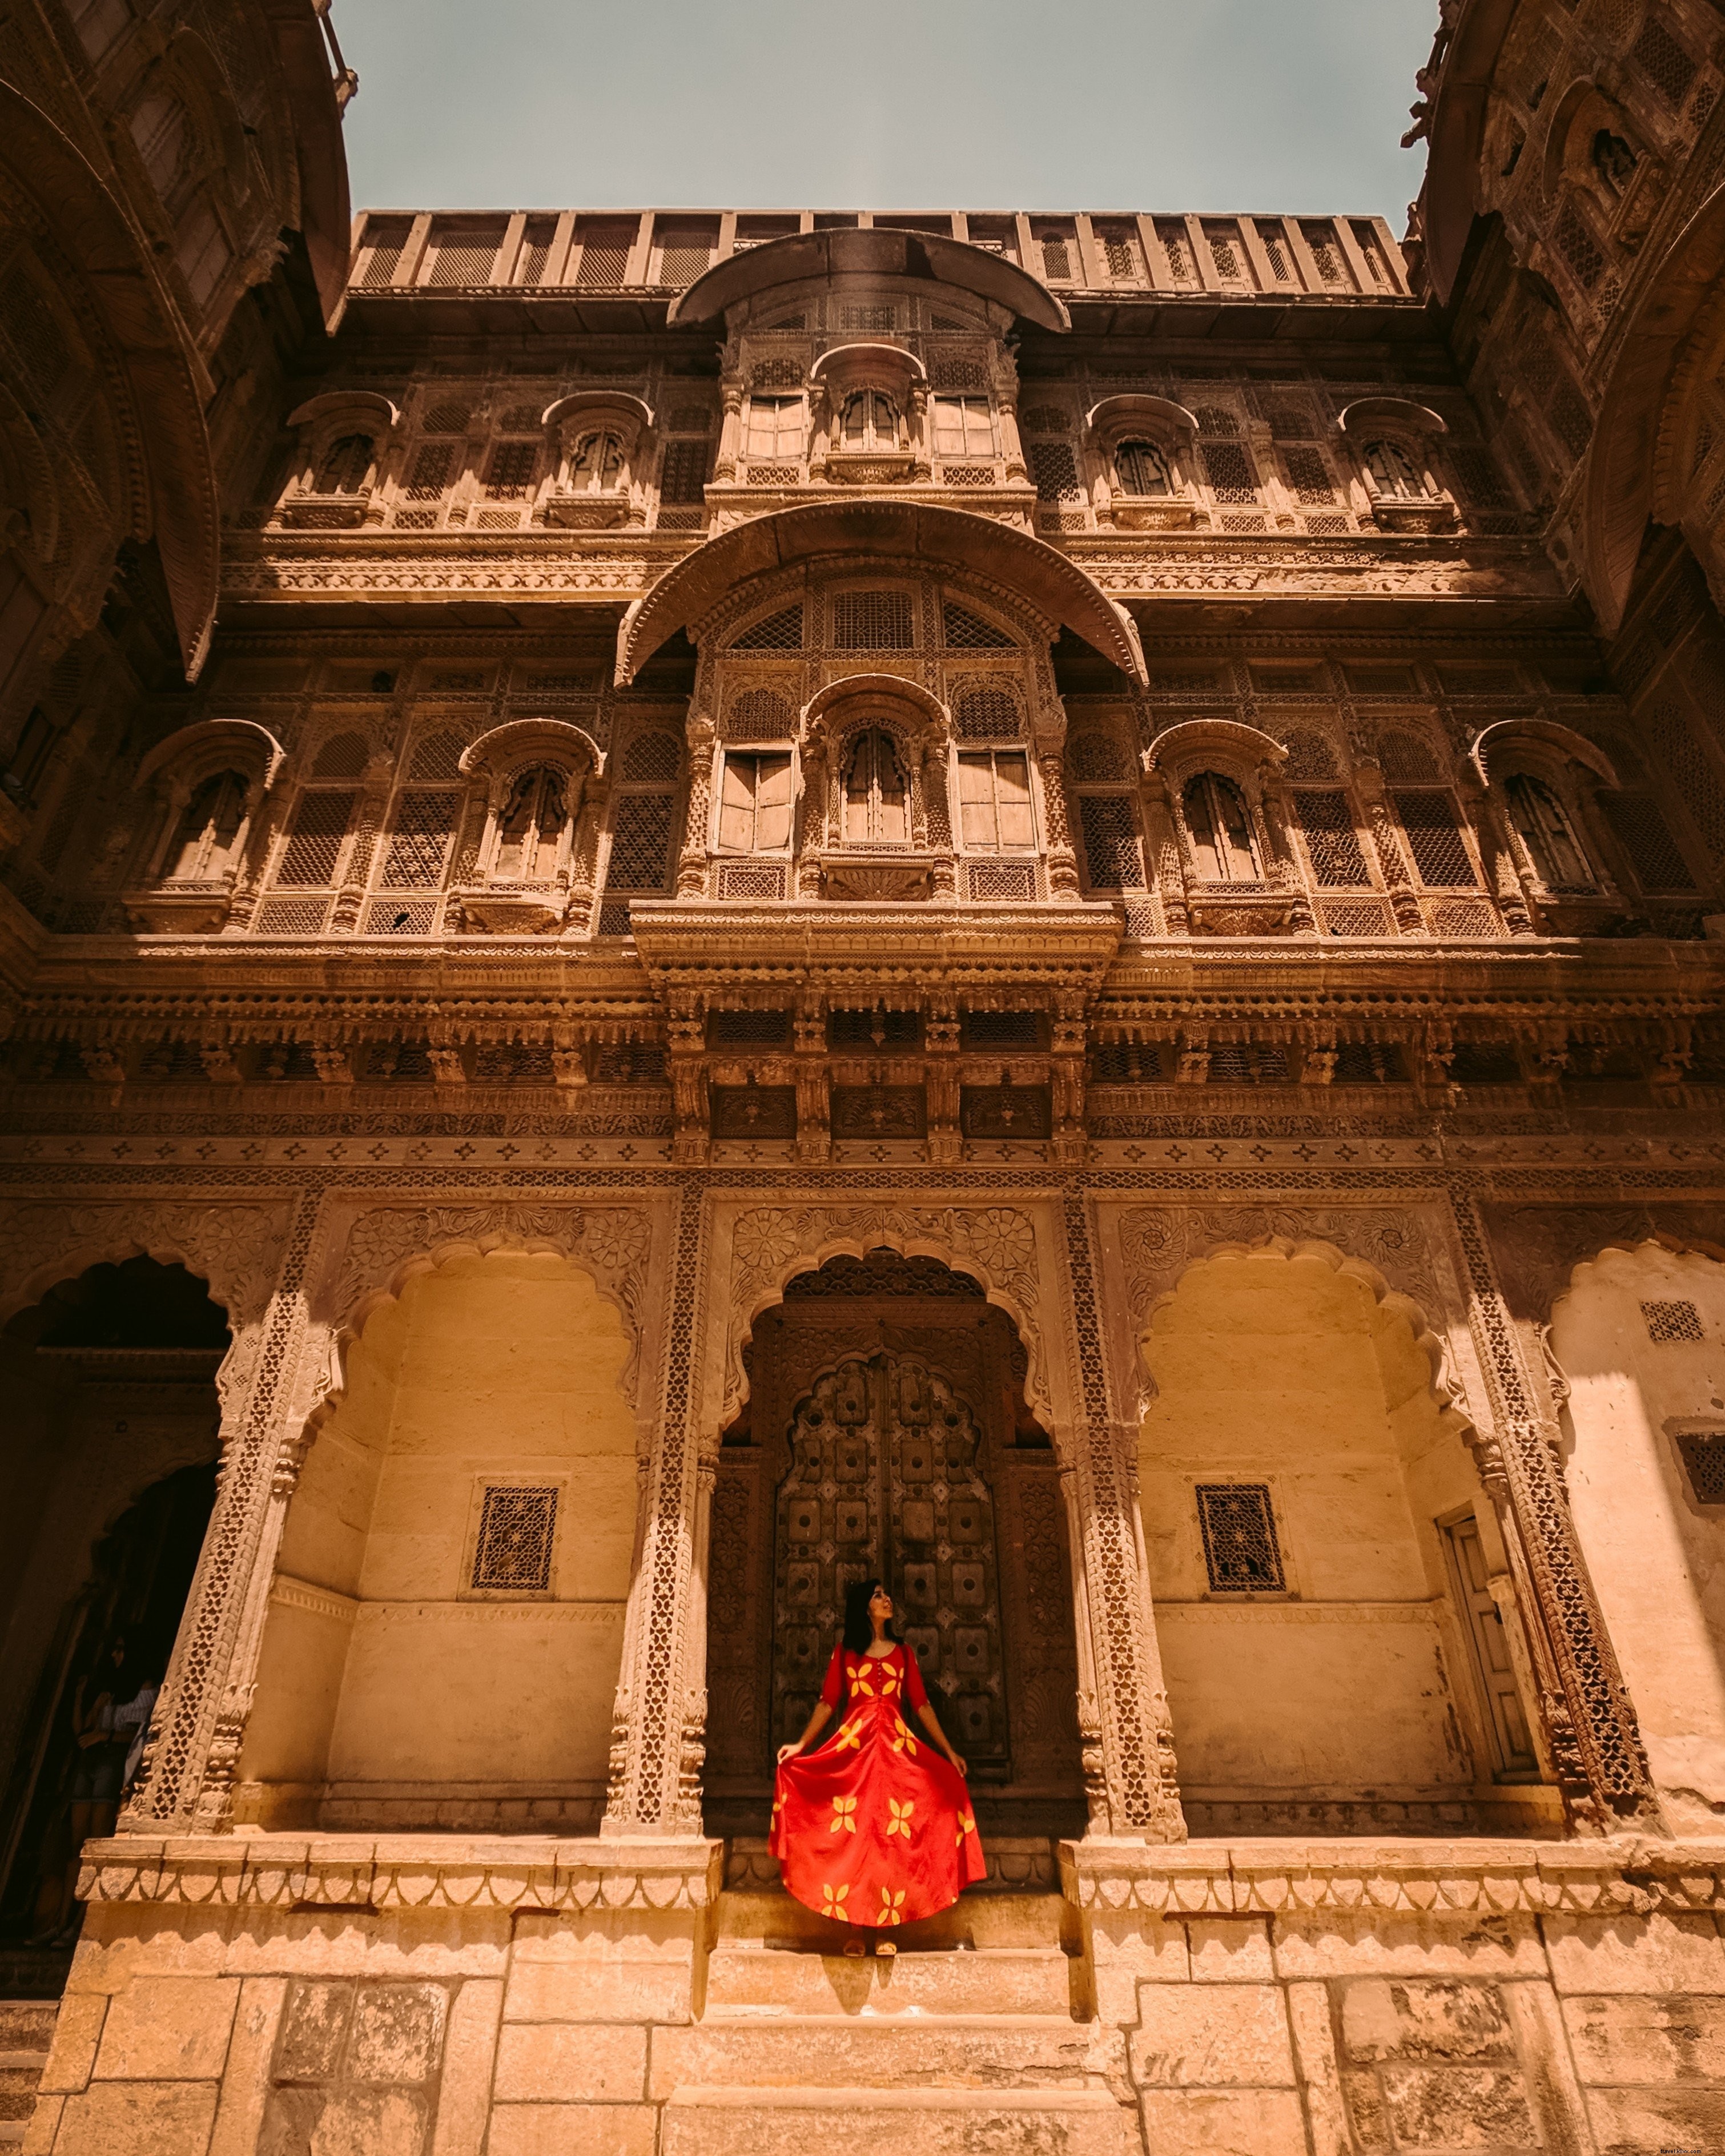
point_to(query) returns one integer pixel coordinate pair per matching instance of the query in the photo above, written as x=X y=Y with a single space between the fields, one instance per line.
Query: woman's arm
x=925 y=1715
x=818 y=1721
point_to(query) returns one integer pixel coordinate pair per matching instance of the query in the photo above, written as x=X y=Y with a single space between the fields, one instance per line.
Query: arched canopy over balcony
x=807 y=257
x=950 y=538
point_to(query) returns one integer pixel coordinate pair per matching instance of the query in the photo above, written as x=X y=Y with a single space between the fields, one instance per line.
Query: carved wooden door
x=885 y=1480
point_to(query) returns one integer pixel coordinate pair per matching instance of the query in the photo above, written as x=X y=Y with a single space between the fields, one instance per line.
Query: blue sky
x=1205 y=104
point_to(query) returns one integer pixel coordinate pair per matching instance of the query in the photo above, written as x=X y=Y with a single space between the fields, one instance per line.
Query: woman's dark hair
x=859 y=1625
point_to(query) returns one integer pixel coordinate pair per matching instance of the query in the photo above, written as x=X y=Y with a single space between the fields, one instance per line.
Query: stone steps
x=909 y=2051
x=26 y=2032
x=701 y=2121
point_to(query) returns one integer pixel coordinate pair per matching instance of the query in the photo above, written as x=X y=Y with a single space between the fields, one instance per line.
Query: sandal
x=885 y=1948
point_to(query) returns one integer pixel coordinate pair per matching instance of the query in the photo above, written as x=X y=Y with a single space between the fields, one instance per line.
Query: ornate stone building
x=694 y=903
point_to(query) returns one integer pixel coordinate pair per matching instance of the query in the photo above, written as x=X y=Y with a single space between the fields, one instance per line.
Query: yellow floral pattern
x=891 y=1905
x=833 y=1900
x=843 y=1819
x=900 y=1821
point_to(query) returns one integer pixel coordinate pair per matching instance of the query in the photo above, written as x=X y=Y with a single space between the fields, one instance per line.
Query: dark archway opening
x=108 y=1455
x=887 y=1433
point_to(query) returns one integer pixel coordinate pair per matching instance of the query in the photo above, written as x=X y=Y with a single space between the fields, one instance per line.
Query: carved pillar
x=1596 y=1743
x=1392 y=861
x=659 y=1720
x=373 y=807
x=186 y=1785
x=813 y=1107
x=1067 y=1061
x=1167 y=867
x=692 y=860
x=1062 y=861
x=1504 y=866
x=941 y=1075
x=729 y=427
x=1138 y=1795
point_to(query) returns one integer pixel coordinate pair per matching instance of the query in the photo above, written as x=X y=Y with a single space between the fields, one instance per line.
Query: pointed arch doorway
x=886 y=1434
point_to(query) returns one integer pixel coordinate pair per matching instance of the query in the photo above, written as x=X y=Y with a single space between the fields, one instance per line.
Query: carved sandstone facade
x=1023 y=900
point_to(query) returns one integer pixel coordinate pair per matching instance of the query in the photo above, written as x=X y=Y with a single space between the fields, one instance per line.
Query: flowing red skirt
x=876 y=1826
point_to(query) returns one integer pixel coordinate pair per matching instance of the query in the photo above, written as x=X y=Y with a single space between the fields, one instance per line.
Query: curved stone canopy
x=949 y=538
x=1623 y=461
x=163 y=375
x=1451 y=195
x=801 y=257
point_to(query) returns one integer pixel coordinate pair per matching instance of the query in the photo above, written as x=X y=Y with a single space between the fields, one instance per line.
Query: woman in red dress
x=876 y=1827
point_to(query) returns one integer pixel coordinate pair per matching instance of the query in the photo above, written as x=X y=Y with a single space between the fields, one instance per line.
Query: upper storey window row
x=665 y=251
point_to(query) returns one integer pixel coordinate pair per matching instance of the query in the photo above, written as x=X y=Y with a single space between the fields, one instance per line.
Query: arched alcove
x=1323 y=1558
x=1639 y=1337
x=446 y=1620
x=107 y=1479
x=886 y=1433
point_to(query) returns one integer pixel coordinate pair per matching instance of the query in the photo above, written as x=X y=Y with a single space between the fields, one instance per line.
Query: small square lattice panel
x=1703 y=1455
x=517 y=1526
x=1240 y=1552
x=1673 y=1321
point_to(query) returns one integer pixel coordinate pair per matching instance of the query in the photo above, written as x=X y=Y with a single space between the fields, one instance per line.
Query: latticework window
x=1332 y=842
x=872 y=621
x=1113 y=860
x=1120 y=250
x=315 y=837
x=1142 y=469
x=1229 y=472
x=775 y=632
x=987 y=713
x=463 y=258
x=1656 y=55
x=438 y=756
x=1578 y=246
x=448 y=417
x=758 y=714
x=1434 y=838
x=1242 y=1553
x=1569 y=418
x=419 y=841
x=1688 y=763
x=1057 y=253
x=1641 y=830
x=755 y=803
x=430 y=474
x=684 y=256
x=640 y=843
x=517 y=1533
x=1310 y=756
x=1673 y=1320
x=1096 y=757
x=655 y=756
x=1309 y=477
x=965 y=631
x=1477 y=475
x=1548 y=835
x=1407 y=758
x=1320 y=239
x=388 y=242
x=1220 y=825
x=604 y=256
x=1174 y=244
x=1702 y=1452
x=1055 y=472
x=510 y=474
x=344 y=465
x=985 y=1029
x=682 y=474
x=877 y=795
x=995 y=801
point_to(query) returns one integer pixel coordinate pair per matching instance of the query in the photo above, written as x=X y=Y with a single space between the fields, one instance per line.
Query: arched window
x=869 y=421
x=1394 y=471
x=203 y=846
x=877 y=800
x=531 y=829
x=344 y=465
x=1143 y=469
x=1221 y=828
x=597 y=465
x=1547 y=835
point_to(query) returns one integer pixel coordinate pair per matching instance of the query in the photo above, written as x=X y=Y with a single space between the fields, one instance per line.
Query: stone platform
x=435 y=1995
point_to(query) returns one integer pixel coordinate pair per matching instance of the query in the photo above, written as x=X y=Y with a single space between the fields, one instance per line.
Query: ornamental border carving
x=235 y=1246
x=996 y=1244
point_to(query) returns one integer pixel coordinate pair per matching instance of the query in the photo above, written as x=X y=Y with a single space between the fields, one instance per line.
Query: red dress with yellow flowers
x=875 y=1826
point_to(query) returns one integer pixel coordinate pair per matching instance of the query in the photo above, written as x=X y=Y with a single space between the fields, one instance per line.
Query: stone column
x=1596 y=1743
x=186 y=1782
x=1136 y=1796
x=1167 y=866
x=1501 y=853
x=658 y=1722
x=1278 y=825
x=1062 y=860
x=1392 y=861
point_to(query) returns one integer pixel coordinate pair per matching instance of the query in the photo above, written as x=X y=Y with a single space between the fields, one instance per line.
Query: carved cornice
x=1453 y=1883
x=290 y=1872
